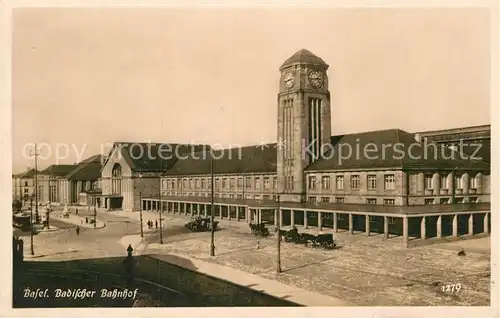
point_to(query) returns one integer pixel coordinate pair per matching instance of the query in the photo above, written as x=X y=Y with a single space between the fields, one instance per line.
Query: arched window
x=116 y=179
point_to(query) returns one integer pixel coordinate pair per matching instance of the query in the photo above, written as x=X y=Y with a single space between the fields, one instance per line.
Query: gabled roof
x=393 y=148
x=88 y=170
x=151 y=157
x=259 y=158
x=59 y=170
x=27 y=174
x=303 y=56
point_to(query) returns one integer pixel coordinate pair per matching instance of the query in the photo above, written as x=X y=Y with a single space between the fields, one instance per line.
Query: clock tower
x=304 y=121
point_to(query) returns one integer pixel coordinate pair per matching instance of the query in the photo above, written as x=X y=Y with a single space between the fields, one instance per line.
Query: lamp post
x=36 y=154
x=31 y=226
x=212 y=230
x=278 y=215
x=140 y=204
x=160 y=205
x=95 y=215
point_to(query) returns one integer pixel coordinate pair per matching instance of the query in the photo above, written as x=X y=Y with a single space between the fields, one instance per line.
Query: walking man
x=156 y=223
x=77 y=230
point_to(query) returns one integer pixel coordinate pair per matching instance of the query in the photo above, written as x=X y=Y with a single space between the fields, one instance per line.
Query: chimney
x=418 y=138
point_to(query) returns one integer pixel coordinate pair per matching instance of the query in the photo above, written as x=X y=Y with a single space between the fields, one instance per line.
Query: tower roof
x=303 y=56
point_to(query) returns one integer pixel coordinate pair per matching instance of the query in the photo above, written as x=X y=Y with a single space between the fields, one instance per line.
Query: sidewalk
x=255 y=282
x=77 y=220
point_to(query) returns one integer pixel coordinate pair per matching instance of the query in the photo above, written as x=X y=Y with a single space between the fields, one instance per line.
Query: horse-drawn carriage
x=325 y=240
x=259 y=229
x=199 y=224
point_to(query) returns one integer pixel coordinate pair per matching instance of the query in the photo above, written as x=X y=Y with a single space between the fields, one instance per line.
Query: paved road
x=91 y=243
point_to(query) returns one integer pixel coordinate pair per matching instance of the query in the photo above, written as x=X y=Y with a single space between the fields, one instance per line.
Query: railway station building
x=392 y=182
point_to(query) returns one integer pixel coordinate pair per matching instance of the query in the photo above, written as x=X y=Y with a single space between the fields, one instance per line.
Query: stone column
x=228 y=208
x=386 y=227
x=280 y=217
x=367 y=225
x=422 y=229
x=438 y=227
x=405 y=231
x=471 y=224
x=260 y=215
x=486 y=223
x=320 y=221
x=350 y=224
x=276 y=217
x=292 y=218
x=305 y=219
x=335 y=227
x=205 y=208
x=237 y=213
x=246 y=210
x=455 y=225
x=435 y=183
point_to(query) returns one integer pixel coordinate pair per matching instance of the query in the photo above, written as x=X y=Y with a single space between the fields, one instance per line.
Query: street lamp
x=212 y=212
x=278 y=215
x=31 y=226
x=140 y=203
x=36 y=154
x=159 y=199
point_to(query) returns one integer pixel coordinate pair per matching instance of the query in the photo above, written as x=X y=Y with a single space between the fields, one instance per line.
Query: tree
x=16 y=206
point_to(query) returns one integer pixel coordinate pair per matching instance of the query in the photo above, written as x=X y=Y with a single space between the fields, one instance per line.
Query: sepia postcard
x=249 y=159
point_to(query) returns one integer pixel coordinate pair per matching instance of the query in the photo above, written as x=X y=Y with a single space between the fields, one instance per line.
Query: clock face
x=289 y=80
x=316 y=79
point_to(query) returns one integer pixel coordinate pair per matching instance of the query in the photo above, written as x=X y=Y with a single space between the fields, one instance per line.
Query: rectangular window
x=231 y=196
x=371 y=201
x=257 y=183
x=473 y=199
x=355 y=182
x=257 y=197
x=240 y=182
x=458 y=182
x=311 y=199
x=389 y=182
x=217 y=183
x=339 y=180
x=190 y=183
x=267 y=197
x=429 y=201
x=444 y=182
x=325 y=199
x=391 y=220
x=25 y=190
x=459 y=200
x=340 y=216
x=231 y=182
x=372 y=219
x=275 y=182
x=339 y=199
x=389 y=201
x=428 y=182
x=444 y=201
x=248 y=182
x=267 y=183
x=239 y=196
x=203 y=183
x=224 y=183
x=325 y=182
x=248 y=197
x=311 y=182
x=372 y=182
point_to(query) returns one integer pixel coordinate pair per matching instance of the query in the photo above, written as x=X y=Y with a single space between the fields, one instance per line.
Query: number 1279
x=451 y=288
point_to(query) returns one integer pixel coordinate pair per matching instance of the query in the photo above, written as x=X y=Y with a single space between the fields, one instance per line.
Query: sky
x=84 y=78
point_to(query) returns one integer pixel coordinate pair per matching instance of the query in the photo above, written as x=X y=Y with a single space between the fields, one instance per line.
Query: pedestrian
x=257 y=246
x=76 y=212
x=156 y=223
x=77 y=230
